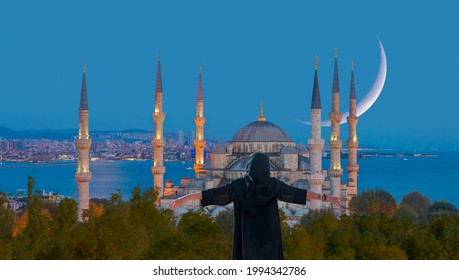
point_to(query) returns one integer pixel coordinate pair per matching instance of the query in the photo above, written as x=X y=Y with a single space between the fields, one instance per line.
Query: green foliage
x=205 y=234
x=314 y=215
x=373 y=202
x=298 y=245
x=442 y=207
x=225 y=220
x=446 y=231
x=424 y=246
x=418 y=202
x=406 y=212
x=137 y=229
x=7 y=221
x=66 y=214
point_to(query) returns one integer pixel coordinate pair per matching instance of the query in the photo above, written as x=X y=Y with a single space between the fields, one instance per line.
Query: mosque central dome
x=261 y=131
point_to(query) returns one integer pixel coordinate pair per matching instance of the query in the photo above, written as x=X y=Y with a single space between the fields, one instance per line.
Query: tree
x=35 y=225
x=66 y=214
x=373 y=202
x=418 y=202
x=298 y=245
x=7 y=221
x=406 y=212
x=422 y=245
x=225 y=220
x=442 y=207
x=445 y=228
x=314 y=215
x=205 y=235
x=159 y=225
x=320 y=225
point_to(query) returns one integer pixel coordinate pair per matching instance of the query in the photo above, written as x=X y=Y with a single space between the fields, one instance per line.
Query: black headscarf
x=260 y=187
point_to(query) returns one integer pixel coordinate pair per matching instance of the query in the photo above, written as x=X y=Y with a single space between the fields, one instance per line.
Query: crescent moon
x=371 y=97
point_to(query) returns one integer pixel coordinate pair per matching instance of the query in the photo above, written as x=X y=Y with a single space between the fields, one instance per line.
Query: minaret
x=353 y=142
x=83 y=176
x=316 y=143
x=158 y=142
x=200 y=120
x=335 y=172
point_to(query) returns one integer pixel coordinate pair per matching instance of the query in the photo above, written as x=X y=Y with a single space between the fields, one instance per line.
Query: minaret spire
x=159 y=83
x=335 y=172
x=352 y=143
x=200 y=120
x=83 y=143
x=315 y=104
x=261 y=118
x=316 y=143
x=352 y=89
x=158 y=142
x=200 y=94
x=84 y=95
x=335 y=73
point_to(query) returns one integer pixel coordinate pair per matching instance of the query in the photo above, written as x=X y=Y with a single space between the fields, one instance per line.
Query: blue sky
x=249 y=51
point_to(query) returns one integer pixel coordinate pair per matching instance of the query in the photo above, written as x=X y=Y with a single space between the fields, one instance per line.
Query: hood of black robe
x=260 y=187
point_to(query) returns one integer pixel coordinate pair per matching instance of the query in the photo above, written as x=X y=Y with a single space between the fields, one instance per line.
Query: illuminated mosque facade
x=296 y=165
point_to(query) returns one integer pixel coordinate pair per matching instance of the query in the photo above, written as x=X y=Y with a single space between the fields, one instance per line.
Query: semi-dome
x=261 y=131
x=302 y=149
x=301 y=184
x=197 y=184
x=219 y=150
x=289 y=150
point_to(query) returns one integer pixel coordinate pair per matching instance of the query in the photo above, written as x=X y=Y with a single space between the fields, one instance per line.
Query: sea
x=434 y=176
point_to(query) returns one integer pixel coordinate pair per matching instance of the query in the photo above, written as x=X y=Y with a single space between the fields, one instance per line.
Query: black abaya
x=257 y=233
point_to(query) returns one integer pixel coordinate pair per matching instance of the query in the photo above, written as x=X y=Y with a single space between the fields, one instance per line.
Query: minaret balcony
x=335 y=172
x=159 y=116
x=199 y=144
x=352 y=144
x=352 y=120
x=158 y=170
x=316 y=144
x=352 y=167
x=335 y=144
x=335 y=117
x=317 y=179
x=83 y=144
x=83 y=176
x=158 y=143
x=200 y=121
x=198 y=168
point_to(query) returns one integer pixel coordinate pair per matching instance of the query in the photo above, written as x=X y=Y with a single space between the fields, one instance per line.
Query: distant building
x=191 y=137
x=180 y=140
x=11 y=145
x=3 y=145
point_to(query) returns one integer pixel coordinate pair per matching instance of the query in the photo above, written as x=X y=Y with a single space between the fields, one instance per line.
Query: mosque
x=296 y=165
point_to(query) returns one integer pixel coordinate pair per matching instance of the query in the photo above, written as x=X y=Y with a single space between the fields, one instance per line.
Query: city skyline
x=248 y=54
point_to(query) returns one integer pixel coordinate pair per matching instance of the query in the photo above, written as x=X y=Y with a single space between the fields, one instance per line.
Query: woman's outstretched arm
x=216 y=196
x=174 y=205
x=317 y=196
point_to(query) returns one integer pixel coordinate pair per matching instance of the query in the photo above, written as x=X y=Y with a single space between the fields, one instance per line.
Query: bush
x=373 y=202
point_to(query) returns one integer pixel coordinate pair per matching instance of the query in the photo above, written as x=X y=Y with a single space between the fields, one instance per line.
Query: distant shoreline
x=31 y=164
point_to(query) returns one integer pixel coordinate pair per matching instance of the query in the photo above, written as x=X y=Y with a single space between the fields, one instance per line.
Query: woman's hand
x=334 y=200
x=174 y=205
